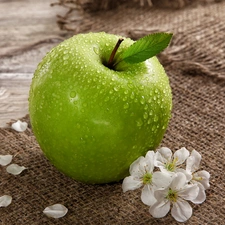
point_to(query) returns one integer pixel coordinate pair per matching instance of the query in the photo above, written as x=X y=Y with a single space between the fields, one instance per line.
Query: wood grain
x=28 y=30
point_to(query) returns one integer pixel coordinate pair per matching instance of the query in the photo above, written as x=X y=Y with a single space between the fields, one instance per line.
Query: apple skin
x=90 y=121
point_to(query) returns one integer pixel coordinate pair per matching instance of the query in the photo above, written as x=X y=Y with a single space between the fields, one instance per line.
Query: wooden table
x=28 y=29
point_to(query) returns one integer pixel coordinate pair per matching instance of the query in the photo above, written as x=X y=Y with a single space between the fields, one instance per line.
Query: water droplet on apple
x=132 y=95
x=65 y=62
x=139 y=122
x=96 y=50
x=65 y=57
x=130 y=85
x=145 y=115
x=156 y=118
x=154 y=129
x=106 y=99
x=124 y=98
x=116 y=89
x=146 y=107
x=73 y=94
x=126 y=105
x=142 y=100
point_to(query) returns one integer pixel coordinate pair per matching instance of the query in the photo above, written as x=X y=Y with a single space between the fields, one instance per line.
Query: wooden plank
x=28 y=30
x=25 y=23
x=14 y=91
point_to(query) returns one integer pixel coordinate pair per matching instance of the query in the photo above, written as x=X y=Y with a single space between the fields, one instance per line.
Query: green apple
x=93 y=120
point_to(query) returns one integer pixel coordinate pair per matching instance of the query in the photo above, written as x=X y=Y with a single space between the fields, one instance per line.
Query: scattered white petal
x=55 y=211
x=5 y=200
x=5 y=159
x=15 y=169
x=19 y=126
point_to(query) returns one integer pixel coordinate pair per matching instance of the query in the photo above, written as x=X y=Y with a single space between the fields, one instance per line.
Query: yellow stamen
x=172 y=195
x=147 y=178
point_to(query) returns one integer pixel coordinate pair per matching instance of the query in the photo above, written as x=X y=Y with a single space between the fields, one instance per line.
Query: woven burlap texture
x=195 y=66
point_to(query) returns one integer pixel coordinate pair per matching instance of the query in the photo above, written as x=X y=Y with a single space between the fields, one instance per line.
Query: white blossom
x=15 y=169
x=169 y=163
x=5 y=200
x=142 y=175
x=5 y=159
x=19 y=126
x=55 y=211
x=201 y=178
x=176 y=195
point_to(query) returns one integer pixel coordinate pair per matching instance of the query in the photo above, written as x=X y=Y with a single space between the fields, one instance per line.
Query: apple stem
x=111 y=58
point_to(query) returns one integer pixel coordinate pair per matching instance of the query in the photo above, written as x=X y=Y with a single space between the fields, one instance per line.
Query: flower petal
x=5 y=200
x=147 y=195
x=161 y=180
x=179 y=181
x=181 y=155
x=202 y=177
x=15 y=169
x=160 y=208
x=189 y=192
x=181 y=211
x=19 y=126
x=136 y=168
x=193 y=162
x=201 y=195
x=162 y=156
x=55 y=211
x=149 y=159
x=131 y=183
x=185 y=172
x=5 y=159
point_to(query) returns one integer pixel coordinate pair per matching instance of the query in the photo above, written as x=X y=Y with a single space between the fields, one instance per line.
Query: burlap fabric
x=195 y=66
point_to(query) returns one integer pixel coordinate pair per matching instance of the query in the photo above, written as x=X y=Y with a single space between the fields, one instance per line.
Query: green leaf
x=146 y=48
